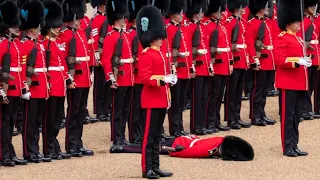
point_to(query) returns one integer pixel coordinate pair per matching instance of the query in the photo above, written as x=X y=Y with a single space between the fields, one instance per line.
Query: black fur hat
x=54 y=17
x=9 y=14
x=194 y=6
x=150 y=25
x=21 y=2
x=116 y=10
x=135 y=6
x=236 y=149
x=236 y=4
x=163 y=5
x=95 y=3
x=32 y=14
x=71 y=8
x=310 y=3
x=214 y=6
x=288 y=11
x=176 y=6
x=257 y=5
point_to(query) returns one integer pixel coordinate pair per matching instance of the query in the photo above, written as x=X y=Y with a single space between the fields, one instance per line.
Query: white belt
x=91 y=41
x=129 y=60
x=194 y=141
x=83 y=58
x=241 y=46
x=314 y=42
x=268 y=47
x=56 y=68
x=223 y=49
x=40 y=69
x=202 y=51
x=168 y=54
x=15 y=69
x=186 y=54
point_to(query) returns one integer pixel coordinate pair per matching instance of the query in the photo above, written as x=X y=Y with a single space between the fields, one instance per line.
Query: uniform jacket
x=84 y=24
x=125 y=72
x=289 y=74
x=267 y=56
x=152 y=69
x=82 y=75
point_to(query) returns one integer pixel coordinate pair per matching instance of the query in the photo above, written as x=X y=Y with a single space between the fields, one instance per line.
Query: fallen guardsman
x=225 y=148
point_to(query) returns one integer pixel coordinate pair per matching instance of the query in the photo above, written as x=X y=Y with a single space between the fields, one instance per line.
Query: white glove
x=170 y=79
x=26 y=96
x=175 y=79
x=305 y=61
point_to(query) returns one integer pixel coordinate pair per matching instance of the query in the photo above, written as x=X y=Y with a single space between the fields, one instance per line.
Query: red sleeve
x=251 y=34
x=280 y=51
x=65 y=43
x=145 y=71
x=107 y=53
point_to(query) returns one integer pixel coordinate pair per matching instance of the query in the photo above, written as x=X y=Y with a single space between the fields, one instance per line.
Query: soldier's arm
x=107 y=53
x=281 y=58
x=251 y=34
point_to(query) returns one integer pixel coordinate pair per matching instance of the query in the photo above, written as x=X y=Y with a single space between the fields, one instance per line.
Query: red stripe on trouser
x=145 y=140
x=253 y=94
x=25 y=132
x=283 y=117
x=112 y=118
x=68 y=119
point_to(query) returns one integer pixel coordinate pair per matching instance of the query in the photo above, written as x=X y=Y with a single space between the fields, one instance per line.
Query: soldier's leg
x=157 y=139
x=307 y=108
x=212 y=102
x=256 y=97
x=48 y=126
x=230 y=97
x=56 y=125
x=127 y=111
x=239 y=90
x=136 y=123
x=266 y=88
x=117 y=112
x=5 y=139
x=99 y=89
x=173 y=113
x=316 y=100
x=196 y=114
x=182 y=101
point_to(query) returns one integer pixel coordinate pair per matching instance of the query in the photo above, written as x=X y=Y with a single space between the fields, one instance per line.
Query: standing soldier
x=155 y=97
x=12 y=80
x=117 y=63
x=136 y=120
x=236 y=27
x=316 y=102
x=203 y=65
x=74 y=41
x=32 y=16
x=59 y=79
x=260 y=49
x=291 y=74
x=179 y=45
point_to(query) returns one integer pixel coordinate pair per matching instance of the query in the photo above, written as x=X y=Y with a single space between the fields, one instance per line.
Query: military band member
x=236 y=27
x=117 y=63
x=260 y=49
x=74 y=41
x=291 y=74
x=12 y=80
x=155 y=97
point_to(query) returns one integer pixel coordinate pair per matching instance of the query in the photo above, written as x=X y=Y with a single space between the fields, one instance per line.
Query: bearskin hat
x=117 y=9
x=176 y=6
x=309 y=3
x=236 y=149
x=150 y=25
x=256 y=5
x=214 y=6
x=95 y=3
x=71 y=8
x=9 y=14
x=236 y=4
x=21 y=2
x=163 y=5
x=194 y=6
x=288 y=11
x=54 y=17
x=135 y=6
x=32 y=14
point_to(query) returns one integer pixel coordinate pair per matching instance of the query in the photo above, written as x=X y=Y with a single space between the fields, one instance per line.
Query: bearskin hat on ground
x=288 y=11
x=135 y=6
x=95 y=3
x=194 y=6
x=32 y=14
x=71 y=8
x=116 y=9
x=9 y=14
x=236 y=149
x=236 y=4
x=214 y=6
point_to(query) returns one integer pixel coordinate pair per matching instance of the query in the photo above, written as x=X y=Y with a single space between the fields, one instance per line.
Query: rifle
x=71 y=59
x=116 y=58
x=31 y=60
x=176 y=43
x=310 y=30
x=89 y=28
x=214 y=39
x=261 y=33
x=235 y=32
x=48 y=54
x=135 y=45
x=172 y=66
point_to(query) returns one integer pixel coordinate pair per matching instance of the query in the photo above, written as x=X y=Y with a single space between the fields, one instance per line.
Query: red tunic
x=288 y=48
x=84 y=23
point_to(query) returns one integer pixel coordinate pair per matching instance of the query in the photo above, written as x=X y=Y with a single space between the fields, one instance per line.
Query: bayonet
x=240 y=12
x=266 y=11
x=315 y=10
x=219 y=13
x=37 y=36
x=302 y=29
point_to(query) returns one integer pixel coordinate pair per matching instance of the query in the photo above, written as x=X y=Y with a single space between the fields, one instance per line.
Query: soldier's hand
x=231 y=69
x=318 y=67
x=234 y=48
x=193 y=75
x=72 y=86
x=114 y=86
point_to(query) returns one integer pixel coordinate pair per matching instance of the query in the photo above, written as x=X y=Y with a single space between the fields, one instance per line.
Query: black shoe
x=300 y=153
x=65 y=155
x=245 y=98
x=150 y=175
x=162 y=173
x=54 y=156
x=93 y=120
x=269 y=121
x=33 y=159
x=125 y=142
x=44 y=158
x=177 y=134
x=117 y=143
x=116 y=149
x=234 y=125
x=19 y=129
x=244 y=124
x=166 y=137
x=212 y=129
x=63 y=123
x=307 y=116
x=137 y=141
x=75 y=153
x=258 y=122
x=15 y=133
x=87 y=120
x=8 y=163
x=19 y=161
x=187 y=106
x=223 y=128
x=184 y=133
x=290 y=153
x=102 y=117
x=316 y=115
x=199 y=132
x=86 y=152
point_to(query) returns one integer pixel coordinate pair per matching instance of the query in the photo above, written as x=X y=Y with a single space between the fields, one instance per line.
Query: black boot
x=234 y=125
x=258 y=122
x=19 y=161
x=150 y=175
x=300 y=153
x=269 y=121
x=290 y=153
x=162 y=173
x=244 y=124
x=8 y=163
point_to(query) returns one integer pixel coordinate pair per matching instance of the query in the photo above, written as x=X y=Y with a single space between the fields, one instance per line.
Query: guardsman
x=76 y=52
x=32 y=16
x=236 y=27
x=12 y=80
x=260 y=49
x=291 y=74
x=155 y=97
x=180 y=49
x=117 y=62
x=59 y=80
x=101 y=90
x=316 y=102
x=203 y=65
x=136 y=120
x=312 y=42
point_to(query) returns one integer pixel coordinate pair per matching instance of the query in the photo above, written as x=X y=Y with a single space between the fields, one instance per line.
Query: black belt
x=79 y=71
x=264 y=56
x=236 y=58
x=182 y=64
x=12 y=87
x=135 y=70
x=120 y=73
x=218 y=61
x=35 y=83
x=199 y=63
x=231 y=62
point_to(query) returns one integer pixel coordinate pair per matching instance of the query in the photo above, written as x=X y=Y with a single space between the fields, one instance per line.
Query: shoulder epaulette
x=63 y=29
x=23 y=40
x=2 y=39
x=250 y=20
x=109 y=33
x=282 y=33
x=229 y=19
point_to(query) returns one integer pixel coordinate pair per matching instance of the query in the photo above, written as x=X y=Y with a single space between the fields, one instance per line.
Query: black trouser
x=137 y=119
x=199 y=102
x=101 y=93
x=262 y=83
x=34 y=117
x=77 y=104
x=121 y=101
x=248 y=82
x=217 y=86
x=292 y=103
x=87 y=111
x=312 y=75
x=233 y=95
x=9 y=112
x=316 y=102
x=178 y=100
x=151 y=139
x=19 y=114
x=51 y=127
